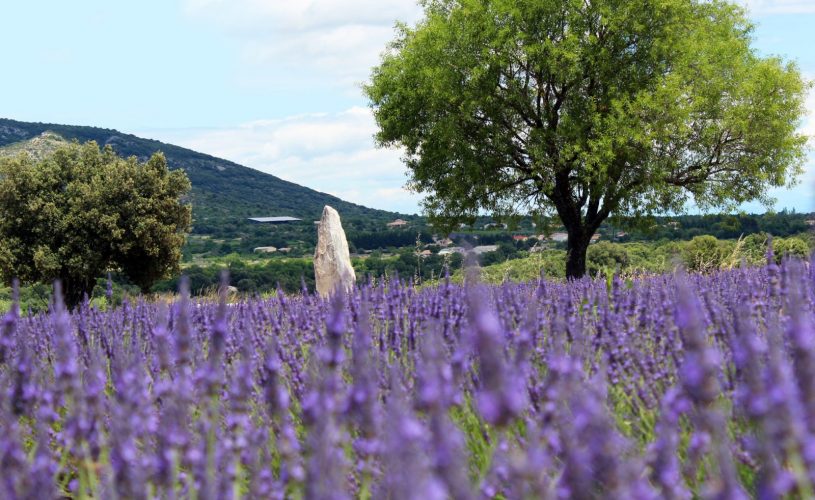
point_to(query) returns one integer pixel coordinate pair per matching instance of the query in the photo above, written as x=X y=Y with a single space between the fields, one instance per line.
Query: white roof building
x=274 y=220
x=451 y=250
x=484 y=249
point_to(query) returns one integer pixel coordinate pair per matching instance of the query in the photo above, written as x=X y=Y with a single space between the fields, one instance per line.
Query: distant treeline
x=376 y=240
x=370 y=235
x=722 y=226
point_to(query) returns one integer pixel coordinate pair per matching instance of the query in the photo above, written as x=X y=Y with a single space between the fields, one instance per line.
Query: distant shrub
x=790 y=247
x=247 y=285
x=605 y=257
x=704 y=254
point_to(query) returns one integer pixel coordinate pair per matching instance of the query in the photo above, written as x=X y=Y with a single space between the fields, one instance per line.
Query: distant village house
x=398 y=223
x=562 y=237
x=274 y=220
x=452 y=250
x=481 y=249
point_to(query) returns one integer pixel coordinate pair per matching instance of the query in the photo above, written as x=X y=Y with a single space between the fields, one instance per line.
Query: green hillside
x=223 y=194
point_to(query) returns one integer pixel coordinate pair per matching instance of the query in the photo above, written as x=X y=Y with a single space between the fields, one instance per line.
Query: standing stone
x=332 y=261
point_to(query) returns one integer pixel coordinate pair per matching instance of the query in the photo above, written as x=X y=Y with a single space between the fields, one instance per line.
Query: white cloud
x=760 y=7
x=329 y=46
x=333 y=153
x=313 y=39
x=244 y=16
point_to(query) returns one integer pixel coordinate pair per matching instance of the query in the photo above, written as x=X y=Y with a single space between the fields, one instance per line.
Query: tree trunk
x=74 y=291
x=580 y=226
x=576 y=248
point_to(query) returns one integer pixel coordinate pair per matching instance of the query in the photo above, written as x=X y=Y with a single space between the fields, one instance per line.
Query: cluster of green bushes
x=38 y=296
x=510 y=262
x=701 y=254
x=288 y=274
x=408 y=265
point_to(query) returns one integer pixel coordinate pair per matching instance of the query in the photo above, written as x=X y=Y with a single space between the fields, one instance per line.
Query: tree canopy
x=83 y=210
x=586 y=109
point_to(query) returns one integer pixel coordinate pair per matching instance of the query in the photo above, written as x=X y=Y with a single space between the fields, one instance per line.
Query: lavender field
x=666 y=387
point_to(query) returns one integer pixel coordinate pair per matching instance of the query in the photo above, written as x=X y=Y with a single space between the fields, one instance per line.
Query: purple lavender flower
x=406 y=473
x=13 y=461
x=66 y=369
x=9 y=325
x=665 y=471
x=206 y=399
x=325 y=472
x=333 y=354
x=598 y=460
x=502 y=394
x=183 y=329
x=363 y=408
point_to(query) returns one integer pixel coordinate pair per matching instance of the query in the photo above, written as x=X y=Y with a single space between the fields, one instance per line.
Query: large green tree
x=82 y=210
x=587 y=108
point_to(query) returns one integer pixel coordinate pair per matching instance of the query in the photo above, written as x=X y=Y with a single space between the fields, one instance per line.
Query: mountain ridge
x=223 y=192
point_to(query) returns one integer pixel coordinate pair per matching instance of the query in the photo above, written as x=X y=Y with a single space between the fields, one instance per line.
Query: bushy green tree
x=704 y=254
x=82 y=211
x=754 y=248
x=606 y=256
x=586 y=109
x=791 y=247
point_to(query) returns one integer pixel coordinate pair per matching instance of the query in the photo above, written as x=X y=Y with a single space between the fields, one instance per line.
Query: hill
x=223 y=193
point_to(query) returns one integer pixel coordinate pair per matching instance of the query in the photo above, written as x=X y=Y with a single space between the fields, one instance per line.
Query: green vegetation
x=508 y=263
x=266 y=275
x=722 y=226
x=606 y=256
x=223 y=193
x=587 y=110
x=81 y=211
x=287 y=274
x=703 y=254
x=228 y=241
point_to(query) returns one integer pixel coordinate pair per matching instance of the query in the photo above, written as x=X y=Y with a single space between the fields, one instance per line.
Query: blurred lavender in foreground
x=672 y=387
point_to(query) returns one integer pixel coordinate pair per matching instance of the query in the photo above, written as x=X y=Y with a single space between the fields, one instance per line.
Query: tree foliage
x=223 y=193
x=82 y=211
x=606 y=257
x=704 y=254
x=587 y=108
x=791 y=247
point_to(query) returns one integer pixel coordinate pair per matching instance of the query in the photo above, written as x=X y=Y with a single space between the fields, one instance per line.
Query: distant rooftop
x=274 y=220
x=397 y=223
x=484 y=249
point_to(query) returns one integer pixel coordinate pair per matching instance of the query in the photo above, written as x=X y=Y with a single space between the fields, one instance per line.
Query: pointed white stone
x=332 y=260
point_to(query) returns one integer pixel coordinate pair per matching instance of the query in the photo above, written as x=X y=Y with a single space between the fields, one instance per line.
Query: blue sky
x=271 y=84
